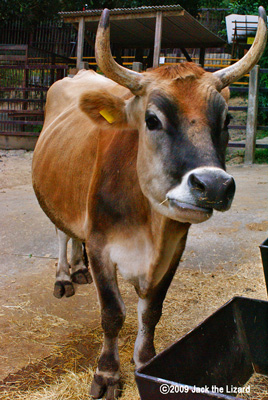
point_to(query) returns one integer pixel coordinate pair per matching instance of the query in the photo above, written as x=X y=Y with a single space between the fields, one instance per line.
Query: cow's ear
x=104 y=109
x=226 y=94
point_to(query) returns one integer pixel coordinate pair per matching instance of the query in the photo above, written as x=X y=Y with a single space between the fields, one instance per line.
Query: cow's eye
x=152 y=122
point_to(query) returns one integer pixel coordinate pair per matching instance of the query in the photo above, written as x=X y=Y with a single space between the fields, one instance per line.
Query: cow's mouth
x=191 y=207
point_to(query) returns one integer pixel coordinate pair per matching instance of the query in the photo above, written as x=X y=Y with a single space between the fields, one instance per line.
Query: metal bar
x=242 y=127
x=237 y=108
x=19 y=122
x=238 y=89
x=20 y=89
x=34 y=67
x=13 y=46
x=18 y=133
x=22 y=112
x=21 y=100
x=242 y=145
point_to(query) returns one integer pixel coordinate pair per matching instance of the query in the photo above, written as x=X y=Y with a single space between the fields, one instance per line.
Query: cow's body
x=130 y=187
x=86 y=180
x=89 y=178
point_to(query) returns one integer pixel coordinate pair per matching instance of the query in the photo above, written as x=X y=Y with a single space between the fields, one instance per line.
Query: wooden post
x=157 y=38
x=186 y=54
x=80 y=42
x=137 y=66
x=252 y=115
x=202 y=56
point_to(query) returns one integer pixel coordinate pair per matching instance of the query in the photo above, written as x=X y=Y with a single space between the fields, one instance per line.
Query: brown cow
x=125 y=165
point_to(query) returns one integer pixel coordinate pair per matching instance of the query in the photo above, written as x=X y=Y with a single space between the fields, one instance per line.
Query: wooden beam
x=87 y=38
x=186 y=54
x=252 y=115
x=157 y=38
x=202 y=56
x=80 y=42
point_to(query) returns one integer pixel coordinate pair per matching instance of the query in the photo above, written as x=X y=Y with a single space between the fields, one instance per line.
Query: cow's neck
x=118 y=201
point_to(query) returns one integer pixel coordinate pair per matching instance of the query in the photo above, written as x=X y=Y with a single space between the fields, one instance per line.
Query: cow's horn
x=245 y=64
x=125 y=77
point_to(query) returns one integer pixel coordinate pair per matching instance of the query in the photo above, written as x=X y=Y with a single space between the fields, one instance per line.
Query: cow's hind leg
x=107 y=376
x=79 y=263
x=63 y=285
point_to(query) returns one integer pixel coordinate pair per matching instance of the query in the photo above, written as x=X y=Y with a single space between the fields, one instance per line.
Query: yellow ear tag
x=109 y=117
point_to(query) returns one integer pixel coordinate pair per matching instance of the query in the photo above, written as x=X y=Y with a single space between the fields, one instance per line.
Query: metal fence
x=23 y=88
x=50 y=36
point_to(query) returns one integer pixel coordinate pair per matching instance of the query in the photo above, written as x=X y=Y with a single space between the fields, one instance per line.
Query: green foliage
x=34 y=11
x=261 y=156
x=215 y=3
x=237 y=157
x=261 y=134
x=243 y=7
x=30 y=11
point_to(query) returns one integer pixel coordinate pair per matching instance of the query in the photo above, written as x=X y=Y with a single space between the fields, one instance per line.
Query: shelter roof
x=135 y=27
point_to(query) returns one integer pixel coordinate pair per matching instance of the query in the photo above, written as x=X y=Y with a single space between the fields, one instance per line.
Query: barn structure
x=27 y=73
x=153 y=28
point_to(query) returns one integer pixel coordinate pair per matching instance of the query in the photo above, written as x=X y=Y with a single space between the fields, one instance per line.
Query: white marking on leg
x=63 y=268
x=77 y=262
x=142 y=306
x=110 y=345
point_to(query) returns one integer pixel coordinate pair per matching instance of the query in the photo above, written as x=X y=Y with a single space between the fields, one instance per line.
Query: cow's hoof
x=97 y=389
x=113 y=392
x=101 y=385
x=62 y=288
x=81 y=276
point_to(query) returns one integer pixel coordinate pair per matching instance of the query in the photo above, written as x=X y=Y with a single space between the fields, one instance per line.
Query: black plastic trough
x=214 y=360
x=264 y=256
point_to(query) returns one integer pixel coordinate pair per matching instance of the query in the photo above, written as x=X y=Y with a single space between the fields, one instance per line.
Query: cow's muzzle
x=204 y=189
x=212 y=189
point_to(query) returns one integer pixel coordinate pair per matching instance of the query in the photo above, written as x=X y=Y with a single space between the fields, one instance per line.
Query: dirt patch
x=258 y=226
x=15 y=168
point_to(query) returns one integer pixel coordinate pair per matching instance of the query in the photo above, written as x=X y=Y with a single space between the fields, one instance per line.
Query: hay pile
x=258 y=387
x=67 y=372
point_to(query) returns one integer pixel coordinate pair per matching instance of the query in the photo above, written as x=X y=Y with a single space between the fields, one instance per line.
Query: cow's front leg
x=149 y=313
x=150 y=307
x=79 y=264
x=107 y=376
x=63 y=285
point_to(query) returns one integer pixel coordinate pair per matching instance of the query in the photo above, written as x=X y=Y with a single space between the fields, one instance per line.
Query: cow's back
x=66 y=152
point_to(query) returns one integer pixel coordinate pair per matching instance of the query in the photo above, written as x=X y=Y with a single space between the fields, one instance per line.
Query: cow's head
x=181 y=115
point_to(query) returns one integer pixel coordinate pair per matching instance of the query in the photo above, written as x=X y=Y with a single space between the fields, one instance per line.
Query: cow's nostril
x=214 y=188
x=229 y=188
x=196 y=183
